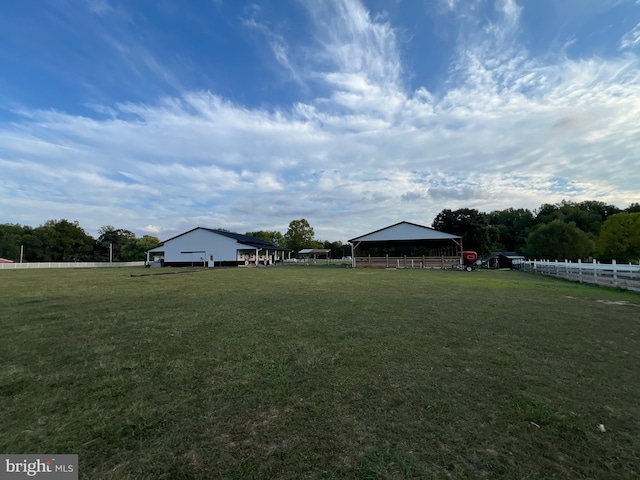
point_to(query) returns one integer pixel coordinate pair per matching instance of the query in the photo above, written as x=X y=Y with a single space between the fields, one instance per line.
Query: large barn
x=406 y=245
x=209 y=247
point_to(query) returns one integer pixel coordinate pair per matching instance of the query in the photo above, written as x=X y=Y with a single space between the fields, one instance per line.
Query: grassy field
x=320 y=372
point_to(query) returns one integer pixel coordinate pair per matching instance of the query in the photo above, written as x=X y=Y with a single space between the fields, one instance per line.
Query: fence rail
x=608 y=274
x=16 y=266
x=408 y=262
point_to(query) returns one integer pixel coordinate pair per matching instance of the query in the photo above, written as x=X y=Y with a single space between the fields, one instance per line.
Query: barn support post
x=353 y=255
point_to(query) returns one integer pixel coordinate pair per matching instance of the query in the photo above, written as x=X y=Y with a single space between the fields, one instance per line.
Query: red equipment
x=469 y=259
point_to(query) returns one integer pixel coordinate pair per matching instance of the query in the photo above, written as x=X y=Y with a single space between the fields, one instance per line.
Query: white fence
x=11 y=266
x=608 y=274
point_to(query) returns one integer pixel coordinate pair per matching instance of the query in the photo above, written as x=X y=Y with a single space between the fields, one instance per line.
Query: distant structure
x=504 y=259
x=214 y=248
x=4 y=260
x=407 y=245
x=312 y=255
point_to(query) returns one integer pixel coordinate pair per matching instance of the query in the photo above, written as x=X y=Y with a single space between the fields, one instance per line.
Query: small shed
x=313 y=254
x=504 y=259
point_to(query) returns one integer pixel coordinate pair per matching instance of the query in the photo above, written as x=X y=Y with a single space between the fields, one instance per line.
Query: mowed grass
x=320 y=372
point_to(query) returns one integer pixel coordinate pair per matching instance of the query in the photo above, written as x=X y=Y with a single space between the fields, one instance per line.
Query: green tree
x=113 y=239
x=135 y=249
x=558 y=240
x=338 y=249
x=33 y=248
x=299 y=235
x=63 y=241
x=10 y=241
x=509 y=228
x=588 y=215
x=620 y=238
x=272 y=236
x=633 y=208
x=470 y=224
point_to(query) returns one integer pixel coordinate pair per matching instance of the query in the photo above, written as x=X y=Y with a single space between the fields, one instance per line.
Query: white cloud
x=631 y=39
x=509 y=131
x=151 y=229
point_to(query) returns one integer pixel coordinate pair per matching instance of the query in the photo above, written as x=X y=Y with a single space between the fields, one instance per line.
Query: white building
x=209 y=247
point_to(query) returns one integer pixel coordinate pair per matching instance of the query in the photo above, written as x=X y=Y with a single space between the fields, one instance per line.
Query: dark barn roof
x=509 y=255
x=247 y=240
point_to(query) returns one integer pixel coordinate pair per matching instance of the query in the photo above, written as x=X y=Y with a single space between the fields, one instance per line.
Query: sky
x=161 y=116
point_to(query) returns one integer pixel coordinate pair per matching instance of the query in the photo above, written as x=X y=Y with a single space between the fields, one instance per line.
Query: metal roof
x=403 y=231
x=242 y=239
x=509 y=255
x=311 y=251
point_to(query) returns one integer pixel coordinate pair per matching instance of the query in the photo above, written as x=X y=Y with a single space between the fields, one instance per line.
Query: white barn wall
x=222 y=248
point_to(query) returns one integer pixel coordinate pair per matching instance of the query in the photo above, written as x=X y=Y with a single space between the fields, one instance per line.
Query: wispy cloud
x=509 y=129
x=631 y=39
x=277 y=43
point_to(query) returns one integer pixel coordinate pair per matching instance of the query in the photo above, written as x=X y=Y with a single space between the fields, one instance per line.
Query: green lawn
x=320 y=372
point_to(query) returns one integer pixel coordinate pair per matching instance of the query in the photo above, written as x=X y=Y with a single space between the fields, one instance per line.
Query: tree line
x=565 y=230
x=65 y=241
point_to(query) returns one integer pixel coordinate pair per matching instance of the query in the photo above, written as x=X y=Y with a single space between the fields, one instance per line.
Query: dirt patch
x=607 y=302
x=618 y=302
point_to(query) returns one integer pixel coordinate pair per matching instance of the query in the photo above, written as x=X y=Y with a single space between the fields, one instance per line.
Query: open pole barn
x=208 y=247
x=407 y=245
x=311 y=255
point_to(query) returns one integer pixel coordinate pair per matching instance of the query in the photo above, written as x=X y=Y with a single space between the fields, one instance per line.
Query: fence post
x=615 y=273
x=580 y=270
x=595 y=272
x=387 y=255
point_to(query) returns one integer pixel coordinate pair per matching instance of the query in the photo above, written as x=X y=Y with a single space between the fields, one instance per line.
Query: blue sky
x=354 y=114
